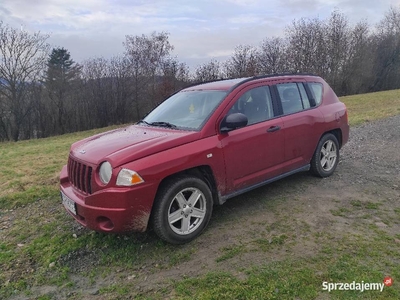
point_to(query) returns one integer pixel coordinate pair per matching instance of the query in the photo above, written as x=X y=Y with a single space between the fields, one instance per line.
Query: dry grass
x=29 y=171
x=373 y=106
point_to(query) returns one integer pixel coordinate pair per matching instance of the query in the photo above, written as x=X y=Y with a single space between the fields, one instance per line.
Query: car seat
x=291 y=101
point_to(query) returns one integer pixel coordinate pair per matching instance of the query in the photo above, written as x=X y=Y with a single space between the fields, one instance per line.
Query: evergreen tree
x=61 y=74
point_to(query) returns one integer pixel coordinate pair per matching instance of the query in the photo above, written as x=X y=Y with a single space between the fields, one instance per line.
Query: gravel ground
x=368 y=171
x=375 y=145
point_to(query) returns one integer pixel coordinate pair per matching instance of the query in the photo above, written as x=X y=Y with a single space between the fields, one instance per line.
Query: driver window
x=256 y=104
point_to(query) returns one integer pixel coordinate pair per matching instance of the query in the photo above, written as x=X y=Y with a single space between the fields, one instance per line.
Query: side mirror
x=233 y=121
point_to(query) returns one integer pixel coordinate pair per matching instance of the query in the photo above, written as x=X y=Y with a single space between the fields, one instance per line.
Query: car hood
x=127 y=144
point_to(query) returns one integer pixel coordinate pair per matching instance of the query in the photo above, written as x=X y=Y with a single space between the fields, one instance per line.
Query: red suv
x=201 y=146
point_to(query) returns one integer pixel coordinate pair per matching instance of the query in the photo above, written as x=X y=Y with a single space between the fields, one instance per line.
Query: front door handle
x=273 y=128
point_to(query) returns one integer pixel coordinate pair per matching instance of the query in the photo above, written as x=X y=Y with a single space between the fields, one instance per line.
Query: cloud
x=246 y=19
x=355 y=10
x=83 y=48
x=199 y=30
x=244 y=3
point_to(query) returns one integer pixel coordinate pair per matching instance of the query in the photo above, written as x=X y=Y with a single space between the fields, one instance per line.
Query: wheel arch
x=203 y=172
x=200 y=174
x=337 y=133
x=316 y=167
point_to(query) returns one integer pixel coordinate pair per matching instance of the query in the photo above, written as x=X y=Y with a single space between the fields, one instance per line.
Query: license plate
x=68 y=203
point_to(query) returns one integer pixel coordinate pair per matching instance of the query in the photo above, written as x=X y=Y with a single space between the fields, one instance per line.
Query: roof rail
x=268 y=76
x=210 y=81
x=246 y=79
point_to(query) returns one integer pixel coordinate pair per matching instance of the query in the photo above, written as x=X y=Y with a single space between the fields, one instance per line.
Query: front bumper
x=115 y=209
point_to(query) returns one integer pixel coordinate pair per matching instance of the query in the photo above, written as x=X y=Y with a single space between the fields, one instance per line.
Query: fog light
x=105 y=223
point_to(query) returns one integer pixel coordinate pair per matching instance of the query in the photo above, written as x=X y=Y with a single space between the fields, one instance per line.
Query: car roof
x=227 y=84
x=216 y=85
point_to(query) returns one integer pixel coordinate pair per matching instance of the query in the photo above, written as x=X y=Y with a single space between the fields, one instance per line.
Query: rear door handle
x=273 y=128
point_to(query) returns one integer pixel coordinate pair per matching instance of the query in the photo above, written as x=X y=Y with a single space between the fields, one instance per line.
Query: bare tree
x=208 y=71
x=22 y=59
x=146 y=55
x=183 y=74
x=175 y=75
x=4 y=118
x=387 y=52
x=98 y=89
x=353 y=59
x=357 y=72
x=337 y=48
x=120 y=75
x=272 y=56
x=243 y=62
x=307 y=49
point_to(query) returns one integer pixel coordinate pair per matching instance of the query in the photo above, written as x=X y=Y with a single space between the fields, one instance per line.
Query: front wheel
x=182 y=209
x=326 y=156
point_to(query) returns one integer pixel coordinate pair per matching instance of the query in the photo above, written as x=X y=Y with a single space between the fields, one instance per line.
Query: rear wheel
x=182 y=209
x=326 y=156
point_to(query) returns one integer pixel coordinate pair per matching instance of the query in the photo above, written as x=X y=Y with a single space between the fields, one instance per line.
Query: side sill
x=257 y=185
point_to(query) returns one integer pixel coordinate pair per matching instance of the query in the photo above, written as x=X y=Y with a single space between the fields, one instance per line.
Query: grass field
x=40 y=237
x=368 y=107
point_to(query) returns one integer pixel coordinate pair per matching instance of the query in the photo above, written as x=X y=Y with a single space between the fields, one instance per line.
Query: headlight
x=128 y=177
x=105 y=172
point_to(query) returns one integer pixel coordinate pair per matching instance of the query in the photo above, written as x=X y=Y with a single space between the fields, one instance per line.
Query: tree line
x=43 y=92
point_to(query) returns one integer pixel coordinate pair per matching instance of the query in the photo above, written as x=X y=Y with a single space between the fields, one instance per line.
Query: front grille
x=80 y=175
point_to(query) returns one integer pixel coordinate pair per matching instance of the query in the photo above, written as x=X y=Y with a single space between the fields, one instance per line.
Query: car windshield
x=187 y=110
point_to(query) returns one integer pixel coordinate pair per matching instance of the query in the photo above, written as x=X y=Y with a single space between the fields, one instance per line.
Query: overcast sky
x=199 y=30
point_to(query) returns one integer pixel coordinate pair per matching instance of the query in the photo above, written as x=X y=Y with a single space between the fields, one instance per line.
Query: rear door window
x=293 y=97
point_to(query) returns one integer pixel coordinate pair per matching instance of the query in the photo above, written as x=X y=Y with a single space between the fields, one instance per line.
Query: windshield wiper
x=143 y=121
x=162 y=124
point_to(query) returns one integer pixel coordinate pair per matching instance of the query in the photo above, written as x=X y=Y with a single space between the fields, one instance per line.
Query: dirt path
x=369 y=168
x=290 y=210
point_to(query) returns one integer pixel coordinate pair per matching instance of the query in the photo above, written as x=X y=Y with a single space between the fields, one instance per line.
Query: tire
x=326 y=156
x=182 y=209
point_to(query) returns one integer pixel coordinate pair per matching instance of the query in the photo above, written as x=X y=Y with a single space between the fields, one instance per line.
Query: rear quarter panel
x=335 y=113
